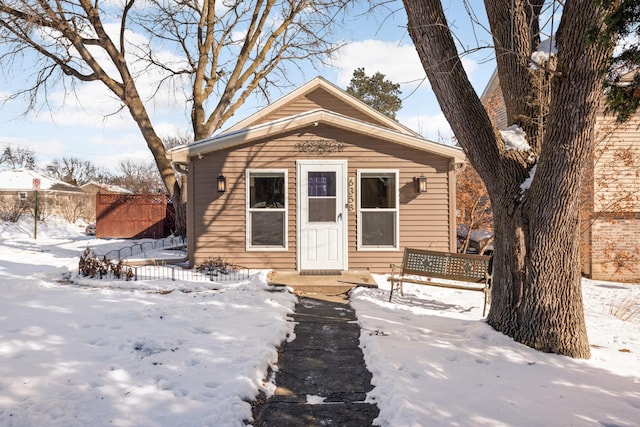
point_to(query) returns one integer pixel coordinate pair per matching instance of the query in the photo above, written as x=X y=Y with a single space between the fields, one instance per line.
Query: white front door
x=322 y=214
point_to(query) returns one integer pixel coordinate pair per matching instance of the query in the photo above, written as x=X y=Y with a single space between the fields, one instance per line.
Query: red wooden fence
x=131 y=215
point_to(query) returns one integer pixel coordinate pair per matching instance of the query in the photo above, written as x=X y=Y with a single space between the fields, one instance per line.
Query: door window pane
x=322 y=210
x=322 y=184
x=321 y=196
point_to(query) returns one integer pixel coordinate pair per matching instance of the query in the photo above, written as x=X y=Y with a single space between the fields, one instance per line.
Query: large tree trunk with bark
x=536 y=294
x=154 y=143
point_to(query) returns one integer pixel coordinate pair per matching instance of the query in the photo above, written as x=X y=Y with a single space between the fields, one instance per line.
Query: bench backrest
x=445 y=265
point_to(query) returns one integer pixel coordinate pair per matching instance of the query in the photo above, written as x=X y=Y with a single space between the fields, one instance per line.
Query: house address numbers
x=351 y=194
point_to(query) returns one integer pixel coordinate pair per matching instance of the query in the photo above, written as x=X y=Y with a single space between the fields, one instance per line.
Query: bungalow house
x=610 y=199
x=318 y=181
x=17 y=195
x=93 y=187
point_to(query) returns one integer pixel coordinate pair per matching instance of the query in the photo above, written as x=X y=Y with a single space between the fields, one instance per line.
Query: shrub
x=625 y=309
x=216 y=265
x=92 y=266
x=11 y=209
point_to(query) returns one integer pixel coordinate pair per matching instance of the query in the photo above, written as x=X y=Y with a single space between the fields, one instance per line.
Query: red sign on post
x=36 y=186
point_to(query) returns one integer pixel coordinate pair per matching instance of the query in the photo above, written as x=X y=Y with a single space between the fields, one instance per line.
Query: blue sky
x=376 y=41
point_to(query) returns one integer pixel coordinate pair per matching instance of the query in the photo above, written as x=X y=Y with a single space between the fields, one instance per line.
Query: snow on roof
x=23 y=180
x=108 y=187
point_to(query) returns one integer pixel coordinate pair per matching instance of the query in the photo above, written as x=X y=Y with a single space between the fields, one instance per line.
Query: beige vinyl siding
x=219 y=220
x=318 y=99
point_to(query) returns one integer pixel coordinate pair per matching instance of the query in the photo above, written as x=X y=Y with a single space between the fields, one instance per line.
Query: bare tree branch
x=216 y=54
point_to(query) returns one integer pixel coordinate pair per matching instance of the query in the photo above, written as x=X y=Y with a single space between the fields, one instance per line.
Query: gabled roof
x=321 y=84
x=491 y=87
x=268 y=123
x=106 y=187
x=230 y=139
x=22 y=180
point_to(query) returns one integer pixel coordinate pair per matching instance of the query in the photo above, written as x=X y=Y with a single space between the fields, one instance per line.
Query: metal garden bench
x=422 y=266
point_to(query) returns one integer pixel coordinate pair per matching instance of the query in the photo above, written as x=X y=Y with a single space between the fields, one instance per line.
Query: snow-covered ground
x=163 y=353
x=436 y=362
x=127 y=353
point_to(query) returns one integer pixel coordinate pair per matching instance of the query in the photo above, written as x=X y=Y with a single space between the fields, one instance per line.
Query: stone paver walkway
x=322 y=379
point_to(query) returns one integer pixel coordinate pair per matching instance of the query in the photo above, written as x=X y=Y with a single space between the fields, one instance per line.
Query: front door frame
x=341 y=207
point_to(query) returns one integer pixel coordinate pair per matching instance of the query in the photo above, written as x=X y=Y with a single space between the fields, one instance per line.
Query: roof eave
x=182 y=154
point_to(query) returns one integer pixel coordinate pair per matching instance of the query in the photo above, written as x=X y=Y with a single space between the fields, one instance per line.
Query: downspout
x=181 y=170
x=453 y=236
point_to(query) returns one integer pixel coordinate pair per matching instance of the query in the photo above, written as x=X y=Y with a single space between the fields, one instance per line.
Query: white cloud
x=93 y=105
x=138 y=156
x=470 y=66
x=165 y=129
x=45 y=148
x=102 y=148
x=433 y=127
x=397 y=61
x=110 y=149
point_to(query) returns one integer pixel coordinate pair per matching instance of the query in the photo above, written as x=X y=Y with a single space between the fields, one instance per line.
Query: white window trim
x=396 y=243
x=22 y=195
x=248 y=210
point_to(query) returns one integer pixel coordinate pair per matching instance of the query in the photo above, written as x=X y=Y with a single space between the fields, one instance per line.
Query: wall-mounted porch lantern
x=222 y=184
x=421 y=184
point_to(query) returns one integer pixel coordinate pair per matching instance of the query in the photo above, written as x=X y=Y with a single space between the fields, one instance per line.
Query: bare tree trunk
x=180 y=207
x=536 y=295
x=140 y=116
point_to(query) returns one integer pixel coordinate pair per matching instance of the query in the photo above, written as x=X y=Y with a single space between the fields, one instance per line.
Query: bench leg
x=486 y=297
x=397 y=285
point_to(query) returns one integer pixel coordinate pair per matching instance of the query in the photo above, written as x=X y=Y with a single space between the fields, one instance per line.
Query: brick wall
x=616 y=249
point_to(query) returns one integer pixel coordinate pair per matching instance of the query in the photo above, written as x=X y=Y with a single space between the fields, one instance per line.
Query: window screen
x=266 y=209
x=378 y=209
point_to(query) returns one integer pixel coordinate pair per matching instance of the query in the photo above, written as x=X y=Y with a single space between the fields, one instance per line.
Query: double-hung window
x=378 y=200
x=266 y=209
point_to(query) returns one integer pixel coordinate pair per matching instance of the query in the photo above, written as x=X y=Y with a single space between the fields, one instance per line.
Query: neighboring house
x=610 y=205
x=318 y=181
x=17 y=195
x=93 y=188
